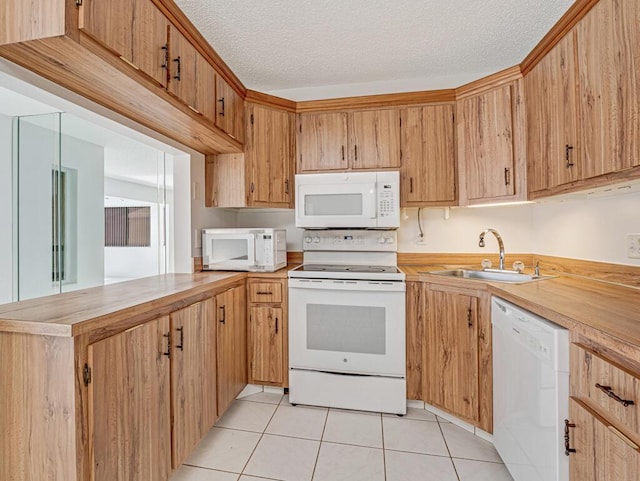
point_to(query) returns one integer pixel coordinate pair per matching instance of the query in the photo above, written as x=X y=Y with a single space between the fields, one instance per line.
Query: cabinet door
x=129 y=404
x=231 y=345
x=428 y=155
x=205 y=89
x=229 y=110
x=486 y=144
x=182 y=67
x=553 y=156
x=602 y=452
x=150 y=35
x=110 y=23
x=266 y=344
x=416 y=310
x=193 y=376
x=609 y=66
x=322 y=142
x=374 y=139
x=452 y=355
x=268 y=151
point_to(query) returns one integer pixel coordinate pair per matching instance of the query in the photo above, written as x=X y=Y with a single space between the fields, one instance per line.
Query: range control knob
x=381 y=240
x=389 y=240
x=316 y=240
x=307 y=240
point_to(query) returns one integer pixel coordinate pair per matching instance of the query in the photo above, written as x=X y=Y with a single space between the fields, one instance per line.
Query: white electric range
x=347 y=322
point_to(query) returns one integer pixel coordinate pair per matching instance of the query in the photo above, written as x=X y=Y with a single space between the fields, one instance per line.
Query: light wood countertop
x=73 y=313
x=577 y=303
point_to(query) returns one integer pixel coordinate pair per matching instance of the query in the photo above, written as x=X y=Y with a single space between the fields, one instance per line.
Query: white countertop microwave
x=244 y=249
x=350 y=199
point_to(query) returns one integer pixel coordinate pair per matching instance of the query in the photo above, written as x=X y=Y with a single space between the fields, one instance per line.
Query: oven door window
x=348 y=329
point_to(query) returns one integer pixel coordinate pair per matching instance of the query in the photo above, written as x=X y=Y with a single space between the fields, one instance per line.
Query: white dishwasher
x=530 y=393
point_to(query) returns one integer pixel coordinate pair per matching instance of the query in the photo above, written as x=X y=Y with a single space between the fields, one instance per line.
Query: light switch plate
x=633 y=246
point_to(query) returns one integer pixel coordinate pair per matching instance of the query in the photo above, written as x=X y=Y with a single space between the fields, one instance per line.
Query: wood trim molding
x=270 y=101
x=490 y=82
x=182 y=22
x=591 y=183
x=376 y=101
x=571 y=17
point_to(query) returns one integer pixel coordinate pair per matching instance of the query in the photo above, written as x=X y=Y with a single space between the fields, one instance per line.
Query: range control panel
x=350 y=240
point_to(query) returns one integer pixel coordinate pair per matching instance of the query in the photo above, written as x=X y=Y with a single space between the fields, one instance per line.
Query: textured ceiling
x=297 y=47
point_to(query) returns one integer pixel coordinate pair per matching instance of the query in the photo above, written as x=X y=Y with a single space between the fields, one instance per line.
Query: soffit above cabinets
x=310 y=49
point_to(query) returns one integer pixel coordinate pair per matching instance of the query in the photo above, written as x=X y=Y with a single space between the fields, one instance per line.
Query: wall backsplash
x=587 y=228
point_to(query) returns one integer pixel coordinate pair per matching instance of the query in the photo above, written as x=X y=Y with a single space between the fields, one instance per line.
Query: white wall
x=280 y=218
x=591 y=229
x=6 y=217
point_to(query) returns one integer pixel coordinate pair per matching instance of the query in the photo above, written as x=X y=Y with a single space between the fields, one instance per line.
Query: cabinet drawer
x=265 y=292
x=612 y=388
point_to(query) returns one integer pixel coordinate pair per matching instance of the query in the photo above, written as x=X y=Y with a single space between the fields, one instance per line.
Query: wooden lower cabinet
x=457 y=349
x=602 y=452
x=130 y=404
x=231 y=356
x=193 y=376
x=267 y=336
x=416 y=310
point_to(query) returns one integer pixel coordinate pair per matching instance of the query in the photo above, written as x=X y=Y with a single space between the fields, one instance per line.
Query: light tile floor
x=262 y=437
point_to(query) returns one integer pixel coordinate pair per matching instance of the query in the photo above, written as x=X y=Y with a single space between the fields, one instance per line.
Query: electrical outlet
x=633 y=246
x=421 y=240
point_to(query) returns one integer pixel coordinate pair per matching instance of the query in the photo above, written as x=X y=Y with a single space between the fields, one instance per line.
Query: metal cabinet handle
x=276 y=325
x=165 y=60
x=168 y=336
x=224 y=314
x=567 y=149
x=609 y=392
x=343 y=152
x=178 y=68
x=355 y=150
x=567 y=438
x=411 y=185
x=286 y=186
x=264 y=293
x=221 y=101
x=507 y=176
x=469 y=318
x=181 y=345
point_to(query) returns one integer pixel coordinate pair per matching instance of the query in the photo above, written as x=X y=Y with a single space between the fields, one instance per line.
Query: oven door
x=339 y=203
x=355 y=327
x=228 y=251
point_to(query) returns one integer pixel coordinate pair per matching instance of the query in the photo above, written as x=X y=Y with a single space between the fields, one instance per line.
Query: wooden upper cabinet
x=205 y=89
x=193 y=376
x=374 y=139
x=322 y=142
x=491 y=145
x=428 y=170
x=609 y=66
x=182 y=68
x=130 y=405
x=150 y=47
x=229 y=110
x=268 y=148
x=110 y=23
x=553 y=150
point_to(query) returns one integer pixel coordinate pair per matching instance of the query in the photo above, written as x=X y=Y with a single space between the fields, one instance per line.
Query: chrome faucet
x=500 y=244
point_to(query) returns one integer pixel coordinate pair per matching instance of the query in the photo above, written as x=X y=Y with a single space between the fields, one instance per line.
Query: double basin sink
x=488 y=275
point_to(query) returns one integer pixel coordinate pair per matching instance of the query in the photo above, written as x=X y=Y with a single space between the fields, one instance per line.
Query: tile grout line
x=324 y=427
x=455 y=470
x=261 y=436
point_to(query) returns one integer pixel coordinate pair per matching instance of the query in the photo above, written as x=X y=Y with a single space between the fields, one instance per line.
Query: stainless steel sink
x=488 y=275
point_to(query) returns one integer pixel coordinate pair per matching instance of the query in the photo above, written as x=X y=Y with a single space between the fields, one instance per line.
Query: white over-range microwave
x=350 y=199
x=244 y=249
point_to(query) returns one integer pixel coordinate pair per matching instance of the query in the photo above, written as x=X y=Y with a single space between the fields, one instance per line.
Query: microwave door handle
x=374 y=193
